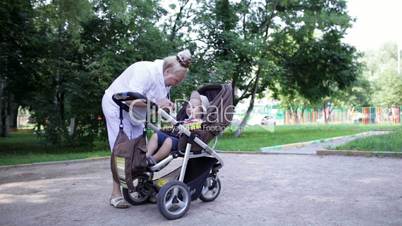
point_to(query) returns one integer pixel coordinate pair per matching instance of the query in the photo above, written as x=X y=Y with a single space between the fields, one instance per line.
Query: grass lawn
x=254 y=138
x=25 y=147
x=389 y=142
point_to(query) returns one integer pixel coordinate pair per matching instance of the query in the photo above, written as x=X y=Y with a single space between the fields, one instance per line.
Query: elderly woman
x=151 y=79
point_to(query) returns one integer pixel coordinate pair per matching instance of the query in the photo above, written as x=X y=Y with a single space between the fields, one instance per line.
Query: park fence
x=363 y=115
x=275 y=114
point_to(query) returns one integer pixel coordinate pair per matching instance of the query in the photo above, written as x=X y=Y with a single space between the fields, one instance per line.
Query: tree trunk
x=330 y=112
x=3 y=110
x=14 y=117
x=302 y=114
x=61 y=106
x=12 y=113
x=233 y=92
x=72 y=127
x=257 y=78
x=296 y=115
x=3 y=120
x=175 y=29
x=290 y=115
x=243 y=123
x=325 y=113
x=246 y=117
x=250 y=106
x=293 y=113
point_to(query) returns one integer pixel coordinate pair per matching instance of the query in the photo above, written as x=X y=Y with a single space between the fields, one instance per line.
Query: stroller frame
x=178 y=188
x=206 y=150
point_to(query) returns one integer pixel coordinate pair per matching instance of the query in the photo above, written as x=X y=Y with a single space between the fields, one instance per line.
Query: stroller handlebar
x=119 y=98
x=125 y=96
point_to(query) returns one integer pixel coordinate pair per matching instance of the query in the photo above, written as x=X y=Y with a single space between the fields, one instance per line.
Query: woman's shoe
x=119 y=202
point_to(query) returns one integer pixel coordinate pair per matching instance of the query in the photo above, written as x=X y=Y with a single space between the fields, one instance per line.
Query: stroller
x=197 y=177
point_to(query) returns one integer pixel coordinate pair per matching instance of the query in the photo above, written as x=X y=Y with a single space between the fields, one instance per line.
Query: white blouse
x=144 y=77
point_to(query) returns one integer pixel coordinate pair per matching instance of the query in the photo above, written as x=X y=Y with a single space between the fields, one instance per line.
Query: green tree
x=295 y=105
x=381 y=71
x=108 y=45
x=58 y=26
x=89 y=44
x=80 y=47
x=287 y=46
x=17 y=59
x=388 y=90
x=357 y=95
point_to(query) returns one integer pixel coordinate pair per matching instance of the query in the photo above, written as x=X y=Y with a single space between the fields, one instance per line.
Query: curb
x=261 y=153
x=360 y=153
x=240 y=152
x=54 y=162
x=301 y=144
x=104 y=158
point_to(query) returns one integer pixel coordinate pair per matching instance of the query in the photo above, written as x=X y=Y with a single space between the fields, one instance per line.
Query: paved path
x=257 y=190
x=310 y=148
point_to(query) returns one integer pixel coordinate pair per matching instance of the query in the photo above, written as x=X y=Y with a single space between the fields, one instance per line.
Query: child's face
x=193 y=108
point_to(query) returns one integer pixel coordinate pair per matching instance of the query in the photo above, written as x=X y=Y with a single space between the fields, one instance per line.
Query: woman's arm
x=136 y=103
x=163 y=103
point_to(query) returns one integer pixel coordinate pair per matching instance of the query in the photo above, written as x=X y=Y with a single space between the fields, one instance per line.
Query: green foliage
x=357 y=95
x=389 y=89
x=381 y=70
x=16 y=59
x=320 y=68
x=66 y=53
x=291 y=47
x=17 y=48
x=58 y=68
x=80 y=47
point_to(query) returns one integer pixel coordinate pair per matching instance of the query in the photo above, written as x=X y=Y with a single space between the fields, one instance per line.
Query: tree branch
x=178 y=17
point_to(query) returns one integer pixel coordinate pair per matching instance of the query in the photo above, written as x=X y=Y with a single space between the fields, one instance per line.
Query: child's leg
x=152 y=145
x=164 y=150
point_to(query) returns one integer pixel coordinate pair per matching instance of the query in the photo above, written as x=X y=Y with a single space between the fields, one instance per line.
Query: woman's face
x=173 y=79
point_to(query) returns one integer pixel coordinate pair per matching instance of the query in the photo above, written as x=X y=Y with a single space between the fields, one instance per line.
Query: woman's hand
x=165 y=104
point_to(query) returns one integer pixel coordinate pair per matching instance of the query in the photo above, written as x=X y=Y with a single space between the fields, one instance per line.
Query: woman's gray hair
x=178 y=64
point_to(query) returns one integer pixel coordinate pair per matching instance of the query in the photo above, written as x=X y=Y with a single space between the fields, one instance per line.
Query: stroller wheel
x=136 y=197
x=211 y=189
x=174 y=200
x=140 y=195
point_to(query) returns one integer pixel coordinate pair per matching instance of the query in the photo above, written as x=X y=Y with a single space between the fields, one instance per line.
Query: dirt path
x=257 y=190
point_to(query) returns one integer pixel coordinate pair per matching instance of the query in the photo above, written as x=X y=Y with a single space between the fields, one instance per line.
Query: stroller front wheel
x=211 y=189
x=174 y=200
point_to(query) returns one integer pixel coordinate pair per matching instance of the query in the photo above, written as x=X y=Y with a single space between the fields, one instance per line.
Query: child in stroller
x=197 y=177
x=164 y=143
